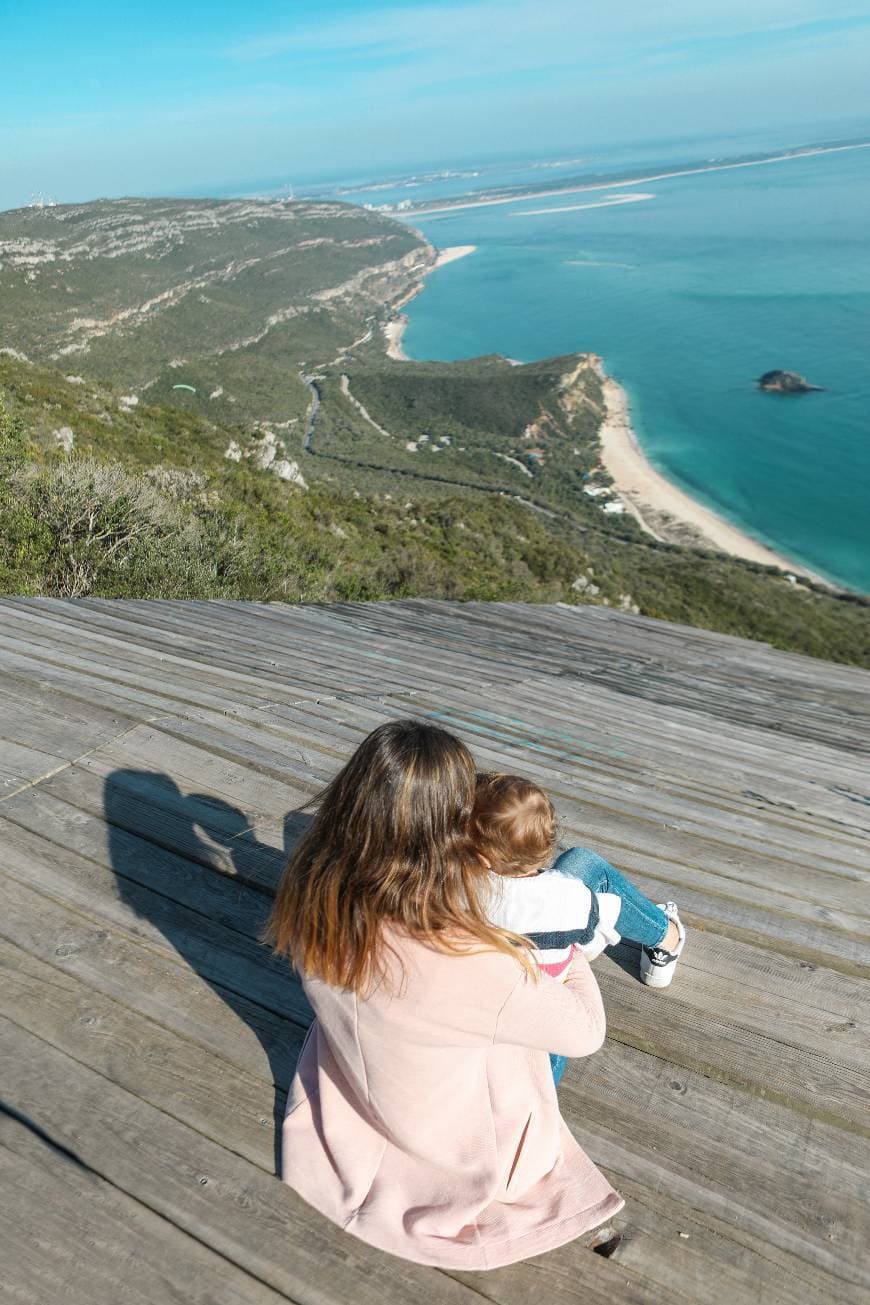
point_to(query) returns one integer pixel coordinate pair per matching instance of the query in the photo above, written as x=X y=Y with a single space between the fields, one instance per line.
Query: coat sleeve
x=564 y=1018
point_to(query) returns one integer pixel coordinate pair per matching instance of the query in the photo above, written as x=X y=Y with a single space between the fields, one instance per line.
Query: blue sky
x=126 y=97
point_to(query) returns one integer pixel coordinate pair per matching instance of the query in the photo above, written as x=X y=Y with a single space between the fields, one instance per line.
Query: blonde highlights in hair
x=388 y=844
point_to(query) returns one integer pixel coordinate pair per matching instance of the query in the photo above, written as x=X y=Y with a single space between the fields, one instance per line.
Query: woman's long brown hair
x=388 y=845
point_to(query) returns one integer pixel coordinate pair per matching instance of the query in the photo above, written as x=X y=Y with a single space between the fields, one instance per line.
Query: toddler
x=576 y=903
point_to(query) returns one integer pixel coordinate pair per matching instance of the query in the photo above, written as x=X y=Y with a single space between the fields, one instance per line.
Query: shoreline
x=451 y=254
x=394 y=329
x=663 y=510
x=810 y=152
x=647 y=493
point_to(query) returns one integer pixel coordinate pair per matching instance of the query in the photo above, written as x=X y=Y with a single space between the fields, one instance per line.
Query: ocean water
x=689 y=296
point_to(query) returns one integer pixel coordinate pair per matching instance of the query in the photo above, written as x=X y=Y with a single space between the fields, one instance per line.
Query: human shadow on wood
x=194 y=867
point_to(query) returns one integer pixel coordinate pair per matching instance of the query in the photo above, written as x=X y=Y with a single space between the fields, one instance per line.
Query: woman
x=423 y=1116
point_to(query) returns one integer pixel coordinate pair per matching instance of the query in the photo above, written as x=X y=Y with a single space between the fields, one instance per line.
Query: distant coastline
x=660 y=507
x=395 y=327
x=429 y=210
x=657 y=503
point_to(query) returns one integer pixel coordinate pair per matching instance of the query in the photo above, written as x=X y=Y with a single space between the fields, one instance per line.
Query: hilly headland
x=198 y=401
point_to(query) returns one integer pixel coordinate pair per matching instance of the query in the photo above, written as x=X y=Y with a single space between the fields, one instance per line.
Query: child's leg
x=639 y=920
x=558 y=1065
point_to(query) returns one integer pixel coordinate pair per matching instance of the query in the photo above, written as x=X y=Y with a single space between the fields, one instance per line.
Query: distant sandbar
x=425 y=210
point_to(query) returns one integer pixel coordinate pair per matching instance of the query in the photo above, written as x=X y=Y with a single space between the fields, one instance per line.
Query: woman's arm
x=566 y=1018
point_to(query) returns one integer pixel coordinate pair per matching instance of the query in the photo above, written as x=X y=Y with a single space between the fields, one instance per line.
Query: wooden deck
x=152 y=756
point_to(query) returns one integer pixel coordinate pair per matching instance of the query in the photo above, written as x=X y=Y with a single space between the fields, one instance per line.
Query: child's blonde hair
x=513 y=824
x=388 y=846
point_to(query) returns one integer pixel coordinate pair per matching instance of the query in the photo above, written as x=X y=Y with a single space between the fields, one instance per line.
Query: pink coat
x=426 y=1122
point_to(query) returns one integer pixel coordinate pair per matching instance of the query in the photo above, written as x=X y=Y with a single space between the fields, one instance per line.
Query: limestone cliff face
x=226 y=296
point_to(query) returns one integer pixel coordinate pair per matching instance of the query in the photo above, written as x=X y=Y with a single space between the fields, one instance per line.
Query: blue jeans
x=639 y=919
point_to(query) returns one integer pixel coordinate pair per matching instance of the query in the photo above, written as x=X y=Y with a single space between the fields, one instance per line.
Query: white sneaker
x=656 y=965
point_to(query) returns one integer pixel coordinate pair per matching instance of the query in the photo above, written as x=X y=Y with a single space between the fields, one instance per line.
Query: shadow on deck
x=155 y=763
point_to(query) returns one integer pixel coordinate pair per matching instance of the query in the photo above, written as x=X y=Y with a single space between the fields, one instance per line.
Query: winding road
x=313 y=409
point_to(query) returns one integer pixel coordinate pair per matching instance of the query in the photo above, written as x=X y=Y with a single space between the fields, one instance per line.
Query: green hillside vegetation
x=146 y=505
x=220 y=295
x=297 y=461
x=483 y=422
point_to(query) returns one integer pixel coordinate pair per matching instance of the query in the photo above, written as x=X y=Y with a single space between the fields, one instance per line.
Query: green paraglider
x=184 y=387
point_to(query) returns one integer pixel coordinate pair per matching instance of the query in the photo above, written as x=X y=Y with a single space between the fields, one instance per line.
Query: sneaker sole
x=652 y=980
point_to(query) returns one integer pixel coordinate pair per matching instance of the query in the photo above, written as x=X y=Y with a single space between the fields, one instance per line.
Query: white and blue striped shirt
x=557 y=912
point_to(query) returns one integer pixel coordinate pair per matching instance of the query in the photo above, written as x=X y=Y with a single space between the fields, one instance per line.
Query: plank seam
x=74 y=761
x=59 y=1147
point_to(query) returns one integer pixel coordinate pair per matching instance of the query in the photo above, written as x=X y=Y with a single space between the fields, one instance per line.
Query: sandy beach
x=395 y=328
x=664 y=510
x=393 y=332
x=451 y=254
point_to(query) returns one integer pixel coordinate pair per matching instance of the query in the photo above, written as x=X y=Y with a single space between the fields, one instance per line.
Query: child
x=577 y=902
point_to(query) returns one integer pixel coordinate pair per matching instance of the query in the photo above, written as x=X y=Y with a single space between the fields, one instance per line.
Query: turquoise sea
x=689 y=296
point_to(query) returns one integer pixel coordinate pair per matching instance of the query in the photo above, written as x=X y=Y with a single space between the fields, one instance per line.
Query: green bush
x=76 y=526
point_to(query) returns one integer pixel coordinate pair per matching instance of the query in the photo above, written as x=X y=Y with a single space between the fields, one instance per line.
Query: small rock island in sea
x=785 y=383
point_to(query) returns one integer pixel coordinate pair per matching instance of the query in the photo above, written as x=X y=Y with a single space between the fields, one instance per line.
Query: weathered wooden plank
x=176 y=1074
x=83 y=678
x=717 y=695
x=225 y=1105
x=195 y=769
x=174 y=684
x=614 y=728
x=69 y=1235
x=207 y=654
x=32 y=715
x=84 y=685
x=58 y=635
x=701 y=1255
x=613 y=749
x=152 y=981
x=226 y=1203
x=772 y=974
x=255 y=636
x=201 y=826
x=183 y=878
x=300 y=769
x=218 y=952
x=737 y=1000
x=812 y=1082
x=703 y=1116
x=615 y=715
x=20 y=766
x=844 y=1267
x=201 y=1188
x=792 y=1182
